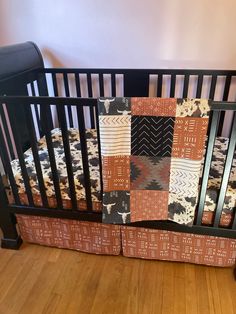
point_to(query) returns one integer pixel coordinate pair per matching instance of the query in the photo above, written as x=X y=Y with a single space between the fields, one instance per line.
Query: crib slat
x=66 y=84
x=159 y=85
x=207 y=165
x=172 y=85
x=33 y=140
x=54 y=82
x=99 y=148
x=226 y=174
x=66 y=144
x=89 y=82
x=90 y=94
x=35 y=105
x=101 y=84
x=213 y=87
x=47 y=131
x=225 y=98
x=7 y=166
x=8 y=137
x=84 y=152
x=227 y=87
x=67 y=93
x=113 y=84
x=199 y=86
x=21 y=158
x=186 y=85
x=234 y=221
x=37 y=114
x=91 y=109
x=77 y=85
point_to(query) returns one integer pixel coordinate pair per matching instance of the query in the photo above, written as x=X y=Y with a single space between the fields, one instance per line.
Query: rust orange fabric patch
x=116 y=173
x=152 y=106
x=189 y=137
x=148 y=205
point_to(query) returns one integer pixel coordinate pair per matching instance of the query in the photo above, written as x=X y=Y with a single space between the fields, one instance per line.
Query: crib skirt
x=98 y=238
x=83 y=236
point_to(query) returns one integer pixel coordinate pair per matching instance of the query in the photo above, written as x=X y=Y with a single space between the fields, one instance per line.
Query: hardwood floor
x=39 y=279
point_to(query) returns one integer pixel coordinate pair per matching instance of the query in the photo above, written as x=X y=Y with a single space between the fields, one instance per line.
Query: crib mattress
x=77 y=166
x=215 y=176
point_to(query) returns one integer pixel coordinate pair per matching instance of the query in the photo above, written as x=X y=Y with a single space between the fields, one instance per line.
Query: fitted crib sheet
x=77 y=166
x=214 y=182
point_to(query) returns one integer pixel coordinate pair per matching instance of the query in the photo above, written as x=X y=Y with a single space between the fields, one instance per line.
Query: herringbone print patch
x=184 y=176
x=152 y=106
x=115 y=135
x=150 y=173
x=116 y=173
x=152 y=136
x=148 y=205
x=189 y=137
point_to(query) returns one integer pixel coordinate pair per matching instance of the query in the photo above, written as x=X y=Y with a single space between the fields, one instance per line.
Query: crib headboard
x=17 y=65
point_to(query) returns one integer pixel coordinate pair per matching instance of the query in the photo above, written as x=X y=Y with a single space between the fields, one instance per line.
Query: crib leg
x=11 y=239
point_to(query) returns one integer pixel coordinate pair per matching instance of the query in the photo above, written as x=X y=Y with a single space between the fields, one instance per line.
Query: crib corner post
x=11 y=244
x=11 y=239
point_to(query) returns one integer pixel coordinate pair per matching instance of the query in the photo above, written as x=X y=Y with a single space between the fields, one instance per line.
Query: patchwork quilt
x=152 y=150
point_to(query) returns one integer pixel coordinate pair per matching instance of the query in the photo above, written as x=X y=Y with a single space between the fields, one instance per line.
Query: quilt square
x=184 y=176
x=153 y=106
x=152 y=136
x=150 y=173
x=148 y=205
x=189 y=138
x=197 y=108
x=114 y=106
x=115 y=135
x=181 y=209
x=116 y=207
x=116 y=173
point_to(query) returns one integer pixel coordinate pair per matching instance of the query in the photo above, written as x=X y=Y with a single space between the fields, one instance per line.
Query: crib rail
x=217 y=85
x=10 y=142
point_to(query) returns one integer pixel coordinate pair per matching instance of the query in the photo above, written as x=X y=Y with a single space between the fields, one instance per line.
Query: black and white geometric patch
x=152 y=136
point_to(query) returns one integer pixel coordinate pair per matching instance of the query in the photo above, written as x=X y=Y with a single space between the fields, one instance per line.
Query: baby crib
x=50 y=147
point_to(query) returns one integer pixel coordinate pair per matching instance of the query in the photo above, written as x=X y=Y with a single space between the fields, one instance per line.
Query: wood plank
x=39 y=279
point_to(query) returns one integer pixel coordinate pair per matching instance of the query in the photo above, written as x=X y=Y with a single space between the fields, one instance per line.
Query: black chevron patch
x=152 y=136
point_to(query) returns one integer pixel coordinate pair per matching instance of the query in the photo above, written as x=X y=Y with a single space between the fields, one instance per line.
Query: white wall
x=125 y=33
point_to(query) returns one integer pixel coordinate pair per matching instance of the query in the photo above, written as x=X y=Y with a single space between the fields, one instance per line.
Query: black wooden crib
x=37 y=102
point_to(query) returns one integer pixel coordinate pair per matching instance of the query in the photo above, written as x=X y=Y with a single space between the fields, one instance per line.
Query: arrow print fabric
x=151 y=157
